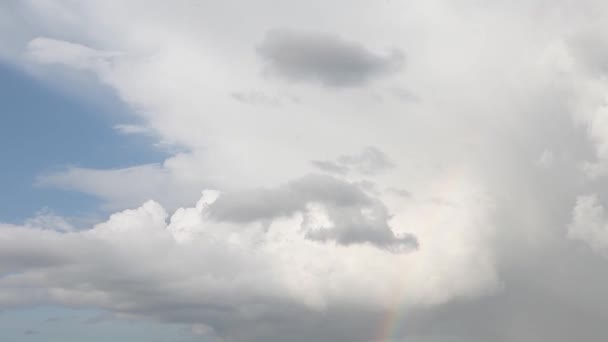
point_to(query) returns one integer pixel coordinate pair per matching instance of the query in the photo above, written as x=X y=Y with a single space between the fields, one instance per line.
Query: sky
x=344 y=171
x=45 y=129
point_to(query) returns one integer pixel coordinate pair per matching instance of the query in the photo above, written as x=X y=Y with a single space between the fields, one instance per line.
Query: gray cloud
x=399 y=192
x=261 y=286
x=590 y=49
x=369 y=161
x=352 y=226
x=263 y=204
x=355 y=216
x=330 y=166
x=330 y=60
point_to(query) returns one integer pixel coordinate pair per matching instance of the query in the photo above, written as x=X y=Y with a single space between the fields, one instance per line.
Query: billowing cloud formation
x=351 y=216
x=329 y=60
x=191 y=269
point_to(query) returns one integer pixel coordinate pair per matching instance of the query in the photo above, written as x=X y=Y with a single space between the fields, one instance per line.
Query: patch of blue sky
x=60 y=324
x=45 y=127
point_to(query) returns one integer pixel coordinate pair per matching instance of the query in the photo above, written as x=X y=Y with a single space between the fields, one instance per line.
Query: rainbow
x=393 y=317
x=389 y=324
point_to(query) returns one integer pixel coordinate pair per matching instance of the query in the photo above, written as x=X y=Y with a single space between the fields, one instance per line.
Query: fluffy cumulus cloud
x=199 y=267
x=371 y=171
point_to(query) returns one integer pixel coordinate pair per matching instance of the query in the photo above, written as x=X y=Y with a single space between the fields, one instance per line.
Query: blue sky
x=44 y=127
x=56 y=324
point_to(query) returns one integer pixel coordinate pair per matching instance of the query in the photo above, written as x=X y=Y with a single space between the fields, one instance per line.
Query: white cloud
x=173 y=183
x=52 y=51
x=46 y=219
x=131 y=129
x=191 y=268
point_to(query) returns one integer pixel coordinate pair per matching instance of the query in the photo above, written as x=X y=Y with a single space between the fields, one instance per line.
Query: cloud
x=399 y=192
x=232 y=278
x=546 y=159
x=351 y=216
x=264 y=268
x=263 y=99
x=131 y=129
x=597 y=128
x=330 y=166
x=590 y=224
x=51 y=51
x=588 y=47
x=369 y=161
x=46 y=219
x=301 y=56
x=129 y=186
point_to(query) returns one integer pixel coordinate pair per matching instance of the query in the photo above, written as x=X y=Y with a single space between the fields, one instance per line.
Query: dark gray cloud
x=264 y=204
x=352 y=226
x=324 y=58
x=24 y=253
x=356 y=216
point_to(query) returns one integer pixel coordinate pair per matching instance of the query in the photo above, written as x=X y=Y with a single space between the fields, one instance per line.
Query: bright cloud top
x=198 y=267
